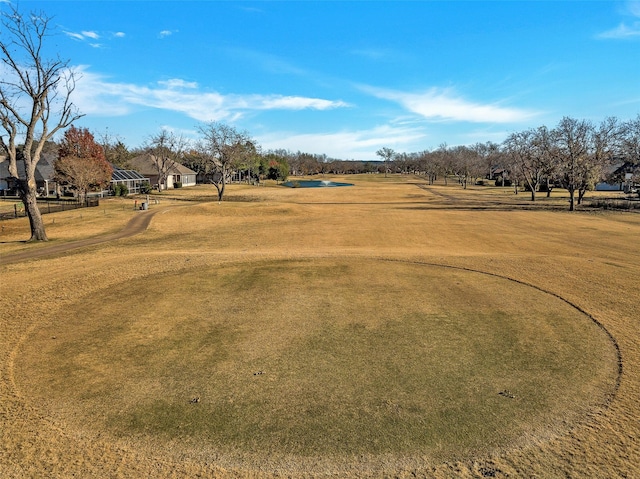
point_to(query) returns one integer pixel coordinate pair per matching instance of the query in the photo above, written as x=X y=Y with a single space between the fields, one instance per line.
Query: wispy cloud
x=174 y=83
x=267 y=61
x=89 y=37
x=166 y=33
x=625 y=30
x=96 y=95
x=444 y=104
x=279 y=102
x=373 y=53
x=633 y=7
x=346 y=144
x=75 y=36
x=622 y=31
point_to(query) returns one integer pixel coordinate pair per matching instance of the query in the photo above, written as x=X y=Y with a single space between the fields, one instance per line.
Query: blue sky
x=347 y=78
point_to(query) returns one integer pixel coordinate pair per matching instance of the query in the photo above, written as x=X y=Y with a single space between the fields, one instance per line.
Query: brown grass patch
x=59 y=424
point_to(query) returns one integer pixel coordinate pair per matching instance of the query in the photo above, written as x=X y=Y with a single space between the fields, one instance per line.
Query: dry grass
x=375 y=361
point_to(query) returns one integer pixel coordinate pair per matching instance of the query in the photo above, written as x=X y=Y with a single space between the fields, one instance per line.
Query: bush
x=177 y=184
x=120 y=190
x=616 y=204
x=145 y=188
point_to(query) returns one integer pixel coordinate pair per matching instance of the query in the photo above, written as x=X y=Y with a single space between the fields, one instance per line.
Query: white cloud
x=165 y=33
x=278 y=102
x=178 y=83
x=622 y=31
x=444 y=104
x=89 y=35
x=625 y=31
x=347 y=145
x=75 y=36
x=633 y=7
x=96 y=95
x=119 y=34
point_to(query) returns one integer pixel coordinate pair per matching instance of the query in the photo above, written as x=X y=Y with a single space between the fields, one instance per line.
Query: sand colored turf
x=349 y=302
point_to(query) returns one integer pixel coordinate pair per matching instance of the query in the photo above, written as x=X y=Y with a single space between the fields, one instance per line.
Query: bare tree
x=224 y=148
x=464 y=164
x=630 y=141
x=489 y=155
x=604 y=142
x=387 y=154
x=571 y=139
x=546 y=153
x=167 y=149
x=630 y=151
x=35 y=103
x=529 y=154
x=583 y=151
x=115 y=151
x=429 y=162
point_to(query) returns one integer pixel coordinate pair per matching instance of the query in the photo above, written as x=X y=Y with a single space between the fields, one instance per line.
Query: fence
x=49 y=206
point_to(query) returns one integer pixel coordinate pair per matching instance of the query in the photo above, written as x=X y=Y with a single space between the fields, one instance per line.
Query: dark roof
x=44 y=168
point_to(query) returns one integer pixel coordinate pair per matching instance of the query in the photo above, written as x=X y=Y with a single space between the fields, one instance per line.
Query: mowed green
x=328 y=357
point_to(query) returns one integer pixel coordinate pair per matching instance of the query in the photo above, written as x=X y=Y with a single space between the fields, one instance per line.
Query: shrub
x=120 y=190
x=177 y=184
x=615 y=204
x=145 y=188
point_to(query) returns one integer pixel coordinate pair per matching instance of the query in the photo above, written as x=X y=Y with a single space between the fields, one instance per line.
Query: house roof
x=44 y=168
x=183 y=170
x=147 y=164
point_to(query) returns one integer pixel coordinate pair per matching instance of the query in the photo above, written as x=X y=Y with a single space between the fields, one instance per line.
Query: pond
x=313 y=184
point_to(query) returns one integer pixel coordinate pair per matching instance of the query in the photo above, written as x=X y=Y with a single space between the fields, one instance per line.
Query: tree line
x=574 y=155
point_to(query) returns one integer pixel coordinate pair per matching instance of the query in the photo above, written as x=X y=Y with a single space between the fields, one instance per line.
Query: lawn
x=391 y=327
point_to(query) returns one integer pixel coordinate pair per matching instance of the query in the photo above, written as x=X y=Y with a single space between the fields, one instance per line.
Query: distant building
x=151 y=167
x=46 y=184
x=618 y=177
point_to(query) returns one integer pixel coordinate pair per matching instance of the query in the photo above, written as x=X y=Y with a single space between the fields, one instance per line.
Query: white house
x=156 y=168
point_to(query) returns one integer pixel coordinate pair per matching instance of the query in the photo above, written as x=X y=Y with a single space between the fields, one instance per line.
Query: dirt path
x=136 y=225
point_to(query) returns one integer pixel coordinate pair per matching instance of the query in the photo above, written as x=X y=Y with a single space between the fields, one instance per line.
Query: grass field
x=391 y=329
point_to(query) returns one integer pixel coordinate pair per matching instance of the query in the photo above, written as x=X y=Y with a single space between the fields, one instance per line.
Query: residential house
x=155 y=168
x=44 y=175
x=618 y=177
